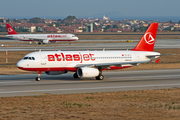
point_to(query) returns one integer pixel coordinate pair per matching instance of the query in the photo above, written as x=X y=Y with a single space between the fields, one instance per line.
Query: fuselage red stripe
x=67 y=68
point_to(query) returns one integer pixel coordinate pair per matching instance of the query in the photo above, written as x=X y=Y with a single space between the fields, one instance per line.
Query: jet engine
x=55 y=72
x=87 y=72
x=45 y=41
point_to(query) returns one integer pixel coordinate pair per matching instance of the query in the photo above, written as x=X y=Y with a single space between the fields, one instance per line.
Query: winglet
x=10 y=30
x=148 y=40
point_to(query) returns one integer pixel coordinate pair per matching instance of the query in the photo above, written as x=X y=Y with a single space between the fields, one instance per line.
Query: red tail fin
x=10 y=29
x=148 y=40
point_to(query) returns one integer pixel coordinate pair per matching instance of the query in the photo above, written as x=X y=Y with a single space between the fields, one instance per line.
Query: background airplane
x=41 y=38
x=91 y=63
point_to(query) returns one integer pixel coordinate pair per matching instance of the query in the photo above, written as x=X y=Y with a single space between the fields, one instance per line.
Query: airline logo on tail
x=10 y=30
x=149 y=38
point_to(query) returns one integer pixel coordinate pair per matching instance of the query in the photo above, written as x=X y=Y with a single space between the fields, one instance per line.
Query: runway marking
x=15 y=82
x=90 y=88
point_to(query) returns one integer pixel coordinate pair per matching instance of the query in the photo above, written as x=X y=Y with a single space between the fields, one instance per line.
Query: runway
x=25 y=85
x=160 y=44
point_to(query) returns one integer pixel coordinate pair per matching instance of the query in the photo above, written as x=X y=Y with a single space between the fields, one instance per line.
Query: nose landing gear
x=38 y=77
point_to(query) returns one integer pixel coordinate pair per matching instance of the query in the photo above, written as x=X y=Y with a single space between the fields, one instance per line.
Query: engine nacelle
x=45 y=41
x=87 y=72
x=55 y=72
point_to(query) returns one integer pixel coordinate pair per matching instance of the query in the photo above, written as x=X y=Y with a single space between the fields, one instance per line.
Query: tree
x=59 y=20
x=21 y=30
x=57 y=24
x=3 y=29
x=115 y=26
x=67 y=24
x=70 y=18
x=8 y=20
x=35 y=20
x=51 y=24
x=142 y=29
x=16 y=20
x=107 y=27
x=84 y=29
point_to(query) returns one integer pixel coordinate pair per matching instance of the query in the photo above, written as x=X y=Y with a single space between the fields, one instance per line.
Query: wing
x=107 y=65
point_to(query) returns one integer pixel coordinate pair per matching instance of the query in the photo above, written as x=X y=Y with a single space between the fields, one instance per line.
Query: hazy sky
x=41 y=8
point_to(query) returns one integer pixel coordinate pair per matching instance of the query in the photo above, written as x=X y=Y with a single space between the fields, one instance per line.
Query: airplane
x=88 y=64
x=41 y=38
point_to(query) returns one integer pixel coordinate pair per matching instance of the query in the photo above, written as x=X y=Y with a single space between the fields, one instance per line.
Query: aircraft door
x=43 y=59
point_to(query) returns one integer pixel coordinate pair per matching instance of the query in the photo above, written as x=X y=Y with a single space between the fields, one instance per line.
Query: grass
x=166 y=62
x=137 y=105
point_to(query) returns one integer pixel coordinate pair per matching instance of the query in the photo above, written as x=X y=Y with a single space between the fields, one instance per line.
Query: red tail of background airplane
x=148 y=40
x=10 y=30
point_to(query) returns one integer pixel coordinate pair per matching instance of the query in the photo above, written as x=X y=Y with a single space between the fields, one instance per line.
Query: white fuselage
x=71 y=60
x=49 y=37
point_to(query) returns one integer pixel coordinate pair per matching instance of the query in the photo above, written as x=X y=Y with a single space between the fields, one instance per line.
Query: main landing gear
x=75 y=75
x=38 y=77
x=99 y=77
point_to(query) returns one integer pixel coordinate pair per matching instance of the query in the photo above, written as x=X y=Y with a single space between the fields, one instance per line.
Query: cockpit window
x=25 y=58
x=29 y=58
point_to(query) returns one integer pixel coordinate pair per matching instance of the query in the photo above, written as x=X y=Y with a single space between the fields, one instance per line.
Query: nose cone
x=77 y=38
x=21 y=64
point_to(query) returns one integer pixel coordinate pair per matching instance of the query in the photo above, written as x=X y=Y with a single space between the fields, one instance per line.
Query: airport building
x=89 y=27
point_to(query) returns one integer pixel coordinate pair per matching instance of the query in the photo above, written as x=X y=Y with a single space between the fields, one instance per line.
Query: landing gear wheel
x=38 y=78
x=39 y=43
x=75 y=75
x=100 y=77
